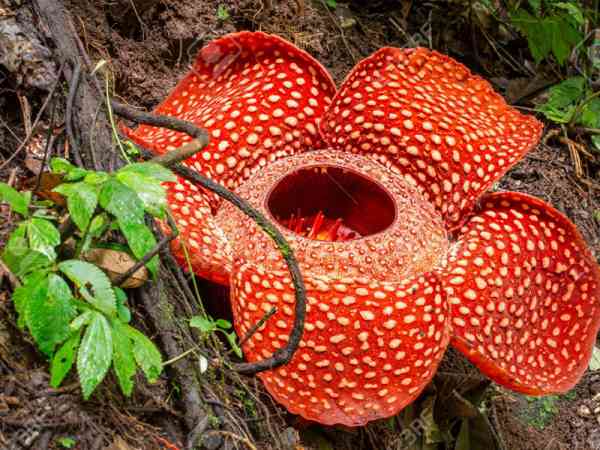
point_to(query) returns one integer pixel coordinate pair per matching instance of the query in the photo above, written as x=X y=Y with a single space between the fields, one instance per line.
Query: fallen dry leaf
x=115 y=263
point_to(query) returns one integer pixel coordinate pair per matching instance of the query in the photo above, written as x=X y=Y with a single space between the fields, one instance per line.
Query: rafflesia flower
x=380 y=189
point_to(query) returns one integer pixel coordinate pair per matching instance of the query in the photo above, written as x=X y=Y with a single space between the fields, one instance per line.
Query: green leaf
x=536 y=6
x=93 y=284
x=564 y=36
x=60 y=166
x=34 y=285
x=122 y=202
x=98 y=227
x=95 y=354
x=556 y=34
x=563 y=99
x=96 y=178
x=224 y=324
x=49 y=311
x=66 y=442
x=19 y=258
x=331 y=3
x=534 y=30
x=141 y=240
x=81 y=202
x=222 y=12
x=63 y=360
x=595 y=360
x=152 y=194
x=596 y=142
x=123 y=357
x=76 y=174
x=573 y=9
x=43 y=236
x=204 y=324
x=146 y=354
x=123 y=312
x=150 y=170
x=18 y=202
x=81 y=320
x=590 y=115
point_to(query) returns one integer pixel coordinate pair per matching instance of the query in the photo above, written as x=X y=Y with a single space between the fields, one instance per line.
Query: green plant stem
x=580 y=107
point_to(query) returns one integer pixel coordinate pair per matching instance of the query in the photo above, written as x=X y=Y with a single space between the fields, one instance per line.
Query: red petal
x=376 y=322
x=368 y=349
x=524 y=289
x=424 y=114
x=261 y=99
x=207 y=251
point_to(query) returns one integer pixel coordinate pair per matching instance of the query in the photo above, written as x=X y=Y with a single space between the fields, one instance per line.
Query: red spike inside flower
x=426 y=116
x=261 y=99
x=524 y=290
x=376 y=324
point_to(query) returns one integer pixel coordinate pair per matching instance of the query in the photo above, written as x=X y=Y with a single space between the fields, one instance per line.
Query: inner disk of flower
x=328 y=203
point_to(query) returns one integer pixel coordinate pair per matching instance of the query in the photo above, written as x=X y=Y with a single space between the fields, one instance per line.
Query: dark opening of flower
x=331 y=203
x=410 y=142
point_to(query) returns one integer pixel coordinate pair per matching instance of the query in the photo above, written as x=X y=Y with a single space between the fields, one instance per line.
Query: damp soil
x=148 y=45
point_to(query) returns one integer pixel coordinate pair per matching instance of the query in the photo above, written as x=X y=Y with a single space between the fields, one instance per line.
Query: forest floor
x=147 y=52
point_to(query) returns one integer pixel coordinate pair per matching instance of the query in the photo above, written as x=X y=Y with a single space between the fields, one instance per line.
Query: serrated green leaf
x=81 y=320
x=76 y=174
x=98 y=227
x=146 y=354
x=595 y=360
x=43 y=236
x=590 y=115
x=49 y=311
x=152 y=194
x=33 y=285
x=564 y=35
x=82 y=200
x=96 y=178
x=93 y=284
x=141 y=240
x=17 y=201
x=123 y=358
x=204 y=324
x=19 y=258
x=123 y=312
x=563 y=99
x=63 y=360
x=556 y=34
x=532 y=28
x=122 y=202
x=60 y=166
x=95 y=354
x=150 y=170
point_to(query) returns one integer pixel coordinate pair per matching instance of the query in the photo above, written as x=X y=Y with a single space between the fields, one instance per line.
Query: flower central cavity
x=344 y=216
x=329 y=203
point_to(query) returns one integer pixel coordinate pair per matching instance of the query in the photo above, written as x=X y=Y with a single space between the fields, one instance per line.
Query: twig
x=35 y=122
x=49 y=142
x=257 y=325
x=161 y=121
x=151 y=254
x=73 y=85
